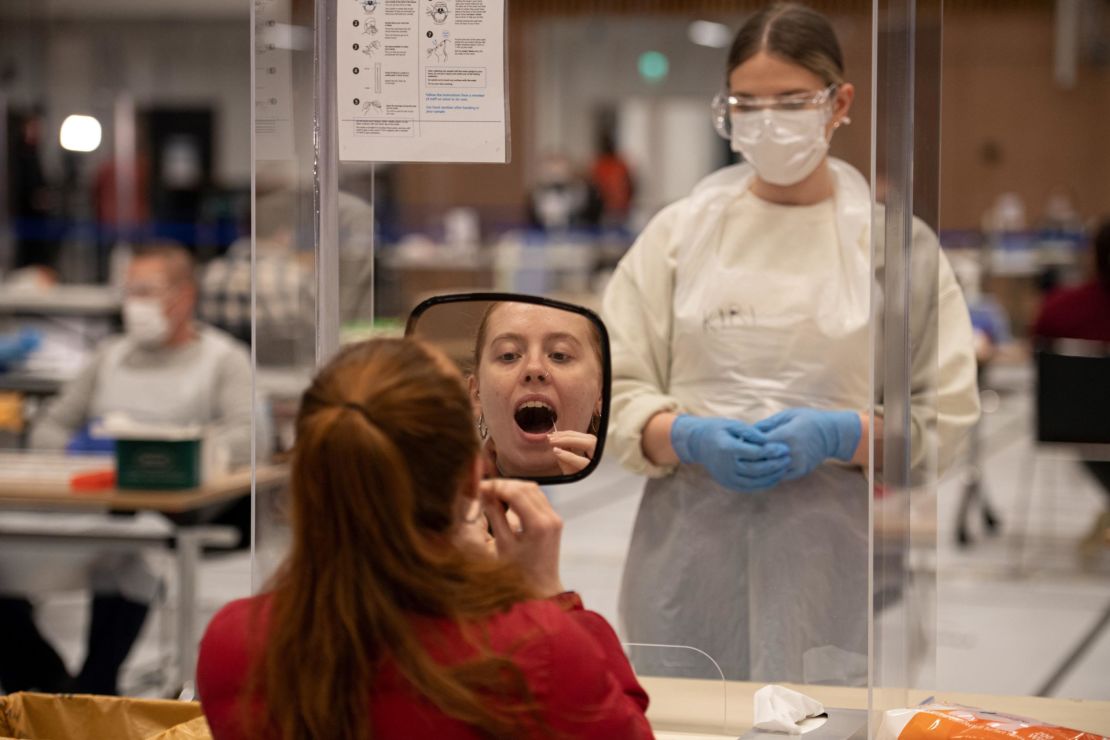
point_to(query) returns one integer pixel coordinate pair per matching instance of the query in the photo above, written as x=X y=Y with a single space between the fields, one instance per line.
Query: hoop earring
x=483 y=430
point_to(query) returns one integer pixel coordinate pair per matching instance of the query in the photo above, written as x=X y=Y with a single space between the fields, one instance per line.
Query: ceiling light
x=80 y=134
x=708 y=33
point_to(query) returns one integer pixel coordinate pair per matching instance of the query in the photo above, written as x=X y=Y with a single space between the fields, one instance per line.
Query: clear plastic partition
x=689 y=683
x=822 y=581
x=926 y=397
x=314 y=227
x=283 y=262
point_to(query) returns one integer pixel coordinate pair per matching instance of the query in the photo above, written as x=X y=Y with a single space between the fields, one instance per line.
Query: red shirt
x=570 y=657
x=1082 y=312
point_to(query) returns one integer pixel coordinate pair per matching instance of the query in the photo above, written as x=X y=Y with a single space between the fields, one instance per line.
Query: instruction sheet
x=421 y=81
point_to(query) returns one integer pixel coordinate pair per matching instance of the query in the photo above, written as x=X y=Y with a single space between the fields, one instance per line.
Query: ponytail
x=384 y=441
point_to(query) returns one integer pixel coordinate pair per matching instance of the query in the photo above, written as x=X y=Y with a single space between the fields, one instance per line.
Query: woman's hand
x=533 y=543
x=573 y=450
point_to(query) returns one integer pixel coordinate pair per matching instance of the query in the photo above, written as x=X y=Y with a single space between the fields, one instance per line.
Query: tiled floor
x=998 y=629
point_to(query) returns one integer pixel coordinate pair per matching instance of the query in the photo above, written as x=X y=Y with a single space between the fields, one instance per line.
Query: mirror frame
x=606 y=364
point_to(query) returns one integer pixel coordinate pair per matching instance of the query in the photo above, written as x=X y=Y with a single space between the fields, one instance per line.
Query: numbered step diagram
x=421 y=80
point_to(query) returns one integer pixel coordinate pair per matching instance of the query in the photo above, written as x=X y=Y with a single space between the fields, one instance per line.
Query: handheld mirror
x=538 y=374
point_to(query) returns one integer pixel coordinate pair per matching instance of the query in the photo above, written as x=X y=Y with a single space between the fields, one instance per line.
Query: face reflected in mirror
x=537 y=389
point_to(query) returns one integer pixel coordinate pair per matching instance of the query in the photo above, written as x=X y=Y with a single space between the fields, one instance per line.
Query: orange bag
x=954 y=722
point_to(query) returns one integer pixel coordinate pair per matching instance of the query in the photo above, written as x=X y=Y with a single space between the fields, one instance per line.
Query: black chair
x=1072 y=413
x=1073 y=395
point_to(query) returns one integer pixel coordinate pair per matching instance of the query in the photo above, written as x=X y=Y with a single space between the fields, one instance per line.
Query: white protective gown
x=710 y=318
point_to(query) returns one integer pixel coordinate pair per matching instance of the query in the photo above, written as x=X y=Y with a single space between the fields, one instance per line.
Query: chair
x=1072 y=412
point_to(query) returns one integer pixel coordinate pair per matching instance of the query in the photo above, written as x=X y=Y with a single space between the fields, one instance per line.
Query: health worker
x=740 y=326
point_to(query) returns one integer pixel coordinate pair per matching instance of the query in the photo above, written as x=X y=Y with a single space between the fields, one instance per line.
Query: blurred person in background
x=1081 y=311
x=281 y=277
x=165 y=368
x=562 y=200
x=612 y=179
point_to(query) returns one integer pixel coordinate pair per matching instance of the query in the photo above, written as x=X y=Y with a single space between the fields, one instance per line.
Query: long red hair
x=385 y=439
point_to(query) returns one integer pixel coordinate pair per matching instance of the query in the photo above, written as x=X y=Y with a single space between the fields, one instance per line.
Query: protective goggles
x=726 y=105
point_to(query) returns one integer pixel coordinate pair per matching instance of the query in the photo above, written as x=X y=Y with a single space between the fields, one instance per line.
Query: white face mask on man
x=145 y=322
x=783 y=146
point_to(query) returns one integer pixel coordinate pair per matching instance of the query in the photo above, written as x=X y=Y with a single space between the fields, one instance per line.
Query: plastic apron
x=772 y=585
x=132 y=390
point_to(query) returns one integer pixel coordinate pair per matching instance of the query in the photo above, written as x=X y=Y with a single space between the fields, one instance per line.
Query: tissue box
x=159 y=464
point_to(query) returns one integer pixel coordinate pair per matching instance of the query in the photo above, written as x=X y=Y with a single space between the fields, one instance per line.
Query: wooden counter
x=691 y=708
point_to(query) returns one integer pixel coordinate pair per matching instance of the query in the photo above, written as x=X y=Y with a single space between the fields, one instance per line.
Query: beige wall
x=998 y=88
x=998 y=91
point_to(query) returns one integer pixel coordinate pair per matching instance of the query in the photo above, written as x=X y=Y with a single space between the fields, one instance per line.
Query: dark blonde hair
x=794 y=32
x=384 y=441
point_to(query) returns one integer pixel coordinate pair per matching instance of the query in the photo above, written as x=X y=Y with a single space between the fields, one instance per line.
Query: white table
x=39 y=482
x=69 y=300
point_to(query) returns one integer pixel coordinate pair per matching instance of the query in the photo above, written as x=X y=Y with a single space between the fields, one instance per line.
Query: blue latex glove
x=84 y=443
x=15 y=347
x=736 y=455
x=813 y=436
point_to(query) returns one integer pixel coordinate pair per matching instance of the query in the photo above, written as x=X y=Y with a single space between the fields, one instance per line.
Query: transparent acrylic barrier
x=446 y=228
x=283 y=263
x=684 y=679
x=921 y=331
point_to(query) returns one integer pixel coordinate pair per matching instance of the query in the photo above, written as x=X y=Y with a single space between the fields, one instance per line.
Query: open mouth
x=536 y=417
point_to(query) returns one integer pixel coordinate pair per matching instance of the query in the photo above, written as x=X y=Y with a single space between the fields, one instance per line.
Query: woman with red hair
x=396 y=614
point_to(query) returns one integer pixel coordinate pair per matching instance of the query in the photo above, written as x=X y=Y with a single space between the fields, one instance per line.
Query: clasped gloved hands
x=735 y=454
x=813 y=436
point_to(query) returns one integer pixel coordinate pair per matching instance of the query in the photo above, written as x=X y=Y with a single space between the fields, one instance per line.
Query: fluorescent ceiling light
x=708 y=33
x=80 y=134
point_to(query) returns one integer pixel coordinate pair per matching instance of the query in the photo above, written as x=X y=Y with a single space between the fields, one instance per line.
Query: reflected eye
x=507 y=356
x=560 y=357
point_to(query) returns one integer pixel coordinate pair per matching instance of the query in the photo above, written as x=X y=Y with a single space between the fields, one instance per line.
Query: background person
x=562 y=200
x=612 y=179
x=740 y=326
x=390 y=617
x=165 y=368
x=1081 y=311
x=281 y=280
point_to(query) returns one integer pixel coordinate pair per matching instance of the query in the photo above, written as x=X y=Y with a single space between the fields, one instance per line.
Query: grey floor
x=996 y=620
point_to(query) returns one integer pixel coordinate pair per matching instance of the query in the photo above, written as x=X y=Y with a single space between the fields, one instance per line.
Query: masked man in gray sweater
x=166 y=368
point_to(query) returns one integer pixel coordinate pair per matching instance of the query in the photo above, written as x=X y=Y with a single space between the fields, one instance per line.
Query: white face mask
x=784 y=147
x=145 y=322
